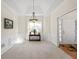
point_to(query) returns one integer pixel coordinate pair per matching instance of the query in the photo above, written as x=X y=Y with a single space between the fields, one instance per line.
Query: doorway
x=67 y=28
x=34 y=26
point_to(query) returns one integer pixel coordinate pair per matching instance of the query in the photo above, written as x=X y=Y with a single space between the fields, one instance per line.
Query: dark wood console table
x=34 y=37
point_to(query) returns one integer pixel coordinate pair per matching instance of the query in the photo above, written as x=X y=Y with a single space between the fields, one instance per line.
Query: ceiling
x=25 y=7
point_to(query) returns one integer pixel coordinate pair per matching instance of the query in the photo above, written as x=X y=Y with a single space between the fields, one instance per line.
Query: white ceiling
x=25 y=7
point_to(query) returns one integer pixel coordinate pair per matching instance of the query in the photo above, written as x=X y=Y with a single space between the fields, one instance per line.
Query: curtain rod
x=68 y=12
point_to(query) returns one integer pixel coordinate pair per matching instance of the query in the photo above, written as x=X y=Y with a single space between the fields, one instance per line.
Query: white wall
x=64 y=7
x=22 y=23
x=46 y=27
x=23 y=27
x=8 y=36
x=69 y=28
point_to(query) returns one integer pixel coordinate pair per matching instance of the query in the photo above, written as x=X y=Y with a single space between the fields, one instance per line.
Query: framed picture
x=8 y=24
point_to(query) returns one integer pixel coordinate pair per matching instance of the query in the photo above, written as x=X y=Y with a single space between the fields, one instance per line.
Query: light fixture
x=33 y=19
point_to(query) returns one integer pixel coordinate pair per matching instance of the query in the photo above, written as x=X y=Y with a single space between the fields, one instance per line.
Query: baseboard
x=5 y=49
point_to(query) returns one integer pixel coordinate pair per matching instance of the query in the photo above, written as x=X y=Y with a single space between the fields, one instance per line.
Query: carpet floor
x=35 y=50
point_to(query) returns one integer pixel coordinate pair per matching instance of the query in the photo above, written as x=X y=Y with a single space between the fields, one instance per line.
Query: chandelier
x=33 y=15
